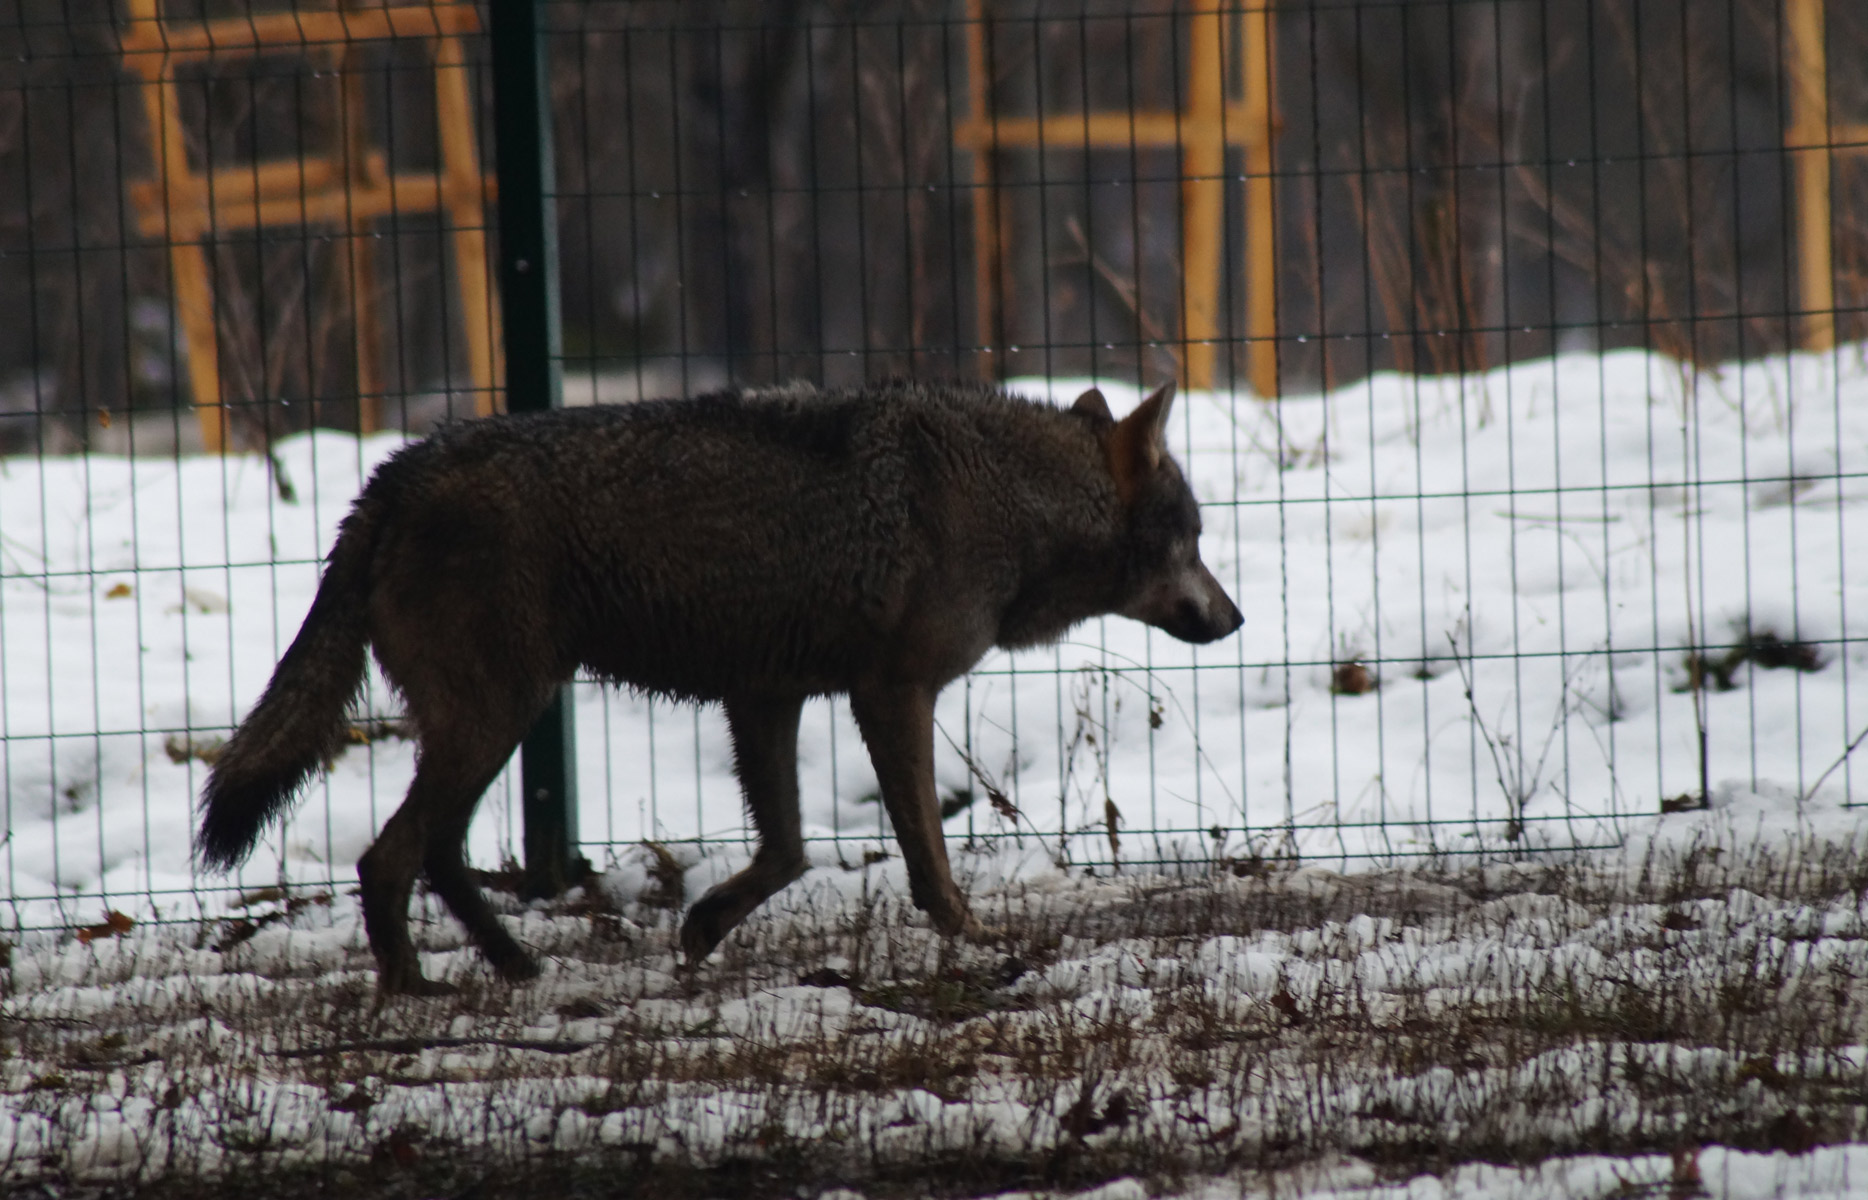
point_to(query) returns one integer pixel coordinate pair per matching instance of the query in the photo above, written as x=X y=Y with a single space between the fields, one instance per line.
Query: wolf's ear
x=1092 y=402
x=1138 y=443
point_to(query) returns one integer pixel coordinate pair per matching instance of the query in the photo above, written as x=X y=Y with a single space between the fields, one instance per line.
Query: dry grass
x=1166 y=1028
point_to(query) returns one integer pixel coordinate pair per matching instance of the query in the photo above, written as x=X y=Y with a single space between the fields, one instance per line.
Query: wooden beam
x=1261 y=234
x=1203 y=198
x=980 y=134
x=152 y=46
x=464 y=196
x=272 y=180
x=1848 y=138
x=1808 y=138
x=183 y=210
x=364 y=171
x=188 y=264
x=1202 y=132
x=194 y=297
x=350 y=189
x=1235 y=124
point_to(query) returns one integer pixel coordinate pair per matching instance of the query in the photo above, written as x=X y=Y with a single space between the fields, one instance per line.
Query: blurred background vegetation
x=753 y=191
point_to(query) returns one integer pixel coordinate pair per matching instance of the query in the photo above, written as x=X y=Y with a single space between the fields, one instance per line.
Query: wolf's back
x=298 y=723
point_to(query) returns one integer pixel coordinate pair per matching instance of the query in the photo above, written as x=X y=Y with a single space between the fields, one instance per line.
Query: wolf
x=752 y=548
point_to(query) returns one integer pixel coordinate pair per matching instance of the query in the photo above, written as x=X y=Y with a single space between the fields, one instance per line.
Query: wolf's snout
x=1200 y=623
x=1192 y=607
x=1233 y=618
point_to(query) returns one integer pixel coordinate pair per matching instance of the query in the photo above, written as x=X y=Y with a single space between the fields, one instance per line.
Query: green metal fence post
x=528 y=281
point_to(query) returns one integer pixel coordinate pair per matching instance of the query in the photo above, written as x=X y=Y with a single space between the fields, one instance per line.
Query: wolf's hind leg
x=428 y=835
x=445 y=864
x=387 y=873
x=897 y=721
x=765 y=756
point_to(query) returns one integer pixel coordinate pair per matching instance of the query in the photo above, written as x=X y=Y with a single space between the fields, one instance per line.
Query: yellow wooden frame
x=1813 y=141
x=1202 y=131
x=351 y=187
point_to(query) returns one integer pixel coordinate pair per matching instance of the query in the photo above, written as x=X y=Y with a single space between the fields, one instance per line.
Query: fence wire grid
x=1520 y=348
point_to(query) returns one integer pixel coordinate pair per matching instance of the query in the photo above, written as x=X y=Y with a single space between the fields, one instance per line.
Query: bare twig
x=1126 y=291
x=1824 y=777
x=415 y=1045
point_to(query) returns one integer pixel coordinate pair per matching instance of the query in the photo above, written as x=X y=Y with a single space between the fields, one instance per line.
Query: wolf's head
x=1165 y=585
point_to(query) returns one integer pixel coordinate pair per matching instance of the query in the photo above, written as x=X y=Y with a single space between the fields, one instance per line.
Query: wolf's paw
x=703 y=930
x=958 y=922
x=973 y=929
x=985 y=932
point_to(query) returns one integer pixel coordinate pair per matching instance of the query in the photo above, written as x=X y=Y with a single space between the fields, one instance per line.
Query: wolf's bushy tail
x=299 y=723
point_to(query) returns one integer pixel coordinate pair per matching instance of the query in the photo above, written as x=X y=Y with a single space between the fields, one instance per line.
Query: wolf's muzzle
x=1200 y=610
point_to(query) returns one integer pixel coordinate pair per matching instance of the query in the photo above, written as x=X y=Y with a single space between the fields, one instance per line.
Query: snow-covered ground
x=1528 y=564
x=1522 y=561
x=1686 y=1016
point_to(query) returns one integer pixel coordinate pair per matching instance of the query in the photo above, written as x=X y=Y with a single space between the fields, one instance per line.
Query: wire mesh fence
x=1520 y=347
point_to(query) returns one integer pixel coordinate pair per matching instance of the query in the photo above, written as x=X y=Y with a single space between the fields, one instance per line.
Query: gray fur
x=752 y=548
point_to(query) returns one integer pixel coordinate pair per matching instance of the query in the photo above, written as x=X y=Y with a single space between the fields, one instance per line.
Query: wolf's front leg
x=897 y=721
x=765 y=756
